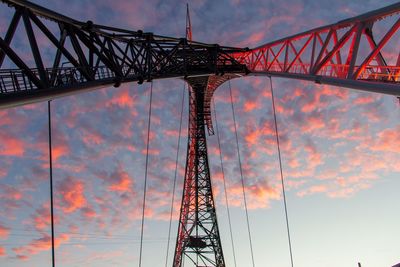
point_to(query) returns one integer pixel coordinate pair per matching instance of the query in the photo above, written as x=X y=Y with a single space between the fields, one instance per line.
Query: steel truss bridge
x=87 y=56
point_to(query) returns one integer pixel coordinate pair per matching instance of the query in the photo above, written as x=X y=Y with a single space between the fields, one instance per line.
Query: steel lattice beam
x=87 y=56
x=331 y=54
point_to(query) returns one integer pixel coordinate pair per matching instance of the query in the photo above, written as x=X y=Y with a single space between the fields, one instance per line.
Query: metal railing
x=376 y=73
x=14 y=80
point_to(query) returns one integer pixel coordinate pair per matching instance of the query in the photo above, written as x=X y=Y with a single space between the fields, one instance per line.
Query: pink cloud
x=152 y=151
x=42 y=219
x=2 y=251
x=39 y=245
x=92 y=137
x=172 y=133
x=4 y=232
x=121 y=182
x=10 y=193
x=387 y=140
x=11 y=145
x=365 y=99
x=258 y=195
x=312 y=190
x=3 y=172
x=59 y=150
x=71 y=193
x=122 y=98
x=315 y=158
x=313 y=123
x=89 y=212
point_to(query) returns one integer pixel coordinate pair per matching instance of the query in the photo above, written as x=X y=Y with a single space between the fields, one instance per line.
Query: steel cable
x=241 y=176
x=280 y=167
x=224 y=183
x=145 y=174
x=53 y=260
x=175 y=175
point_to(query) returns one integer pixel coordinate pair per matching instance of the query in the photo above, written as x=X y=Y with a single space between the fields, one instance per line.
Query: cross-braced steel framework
x=85 y=56
x=198 y=239
x=349 y=53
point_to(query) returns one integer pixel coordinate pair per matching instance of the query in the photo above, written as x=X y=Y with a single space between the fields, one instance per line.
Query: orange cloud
x=72 y=194
x=388 y=140
x=315 y=158
x=2 y=251
x=11 y=146
x=152 y=151
x=249 y=105
x=10 y=193
x=121 y=182
x=92 y=138
x=312 y=190
x=41 y=219
x=313 y=123
x=88 y=212
x=258 y=195
x=59 y=150
x=39 y=245
x=252 y=137
x=365 y=99
x=172 y=133
x=4 y=232
x=122 y=98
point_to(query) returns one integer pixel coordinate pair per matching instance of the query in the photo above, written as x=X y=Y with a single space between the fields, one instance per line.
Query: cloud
x=13 y=146
x=39 y=245
x=2 y=251
x=122 y=182
x=123 y=99
x=4 y=232
x=259 y=195
x=9 y=192
x=89 y=212
x=71 y=194
x=42 y=218
x=312 y=190
x=118 y=181
x=387 y=140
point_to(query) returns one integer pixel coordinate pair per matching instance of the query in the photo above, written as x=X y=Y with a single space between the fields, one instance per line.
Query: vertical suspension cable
x=176 y=173
x=224 y=183
x=280 y=167
x=241 y=176
x=53 y=260
x=145 y=174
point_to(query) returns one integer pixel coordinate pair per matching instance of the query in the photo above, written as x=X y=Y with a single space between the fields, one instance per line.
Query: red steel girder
x=319 y=54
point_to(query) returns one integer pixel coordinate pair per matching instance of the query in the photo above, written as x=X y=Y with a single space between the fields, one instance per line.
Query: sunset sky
x=340 y=151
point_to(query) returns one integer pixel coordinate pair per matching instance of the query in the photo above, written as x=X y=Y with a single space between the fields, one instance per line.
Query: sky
x=340 y=152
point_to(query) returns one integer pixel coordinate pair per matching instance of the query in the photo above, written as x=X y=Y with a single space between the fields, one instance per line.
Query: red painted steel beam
x=323 y=50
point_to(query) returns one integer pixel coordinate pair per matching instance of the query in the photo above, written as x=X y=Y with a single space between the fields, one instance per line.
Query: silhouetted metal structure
x=198 y=234
x=87 y=56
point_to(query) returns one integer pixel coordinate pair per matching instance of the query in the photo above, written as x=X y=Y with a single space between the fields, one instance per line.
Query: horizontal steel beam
x=361 y=85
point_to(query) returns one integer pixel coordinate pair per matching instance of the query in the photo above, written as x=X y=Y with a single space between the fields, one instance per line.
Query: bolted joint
x=183 y=41
x=149 y=36
x=88 y=25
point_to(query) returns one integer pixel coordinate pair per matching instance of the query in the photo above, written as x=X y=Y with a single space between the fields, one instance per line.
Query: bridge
x=87 y=56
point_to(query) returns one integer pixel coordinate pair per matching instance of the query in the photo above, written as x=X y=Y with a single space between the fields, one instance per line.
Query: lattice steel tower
x=198 y=240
